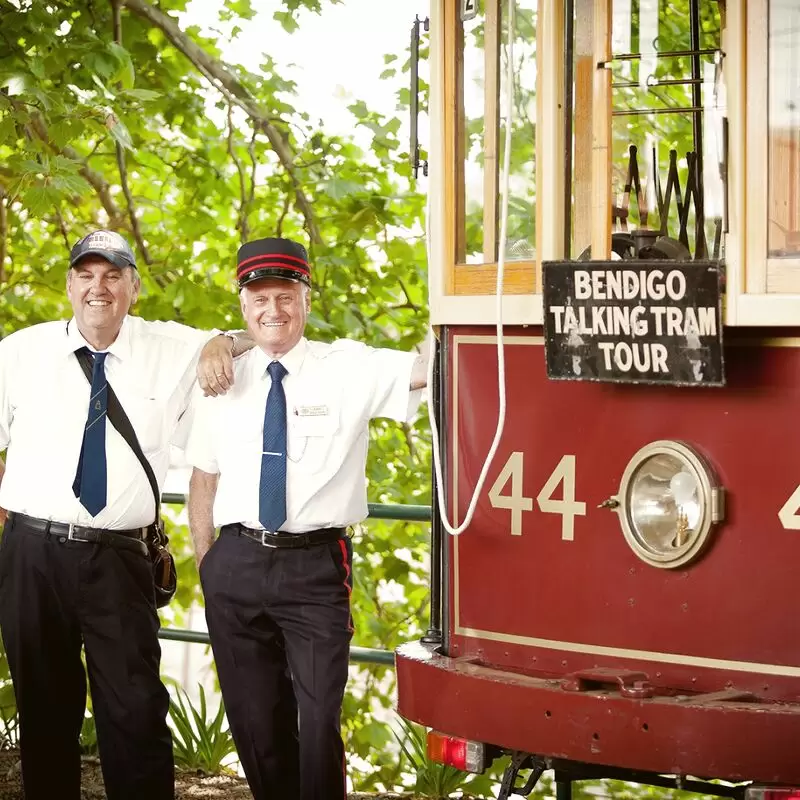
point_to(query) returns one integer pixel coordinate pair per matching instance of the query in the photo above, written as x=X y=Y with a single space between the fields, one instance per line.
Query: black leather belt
x=283 y=539
x=133 y=539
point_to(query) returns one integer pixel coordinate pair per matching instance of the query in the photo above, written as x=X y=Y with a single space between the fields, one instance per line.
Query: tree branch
x=234 y=91
x=409 y=302
x=123 y=167
x=251 y=151
x=134 y=220
x=282 y=217
x=241 y=223
x=3 y=235
x=62 y=226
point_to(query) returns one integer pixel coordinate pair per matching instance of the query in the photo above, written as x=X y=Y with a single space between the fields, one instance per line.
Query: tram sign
x=634 y=321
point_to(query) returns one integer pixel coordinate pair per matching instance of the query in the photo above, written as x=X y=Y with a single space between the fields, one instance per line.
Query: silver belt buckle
x=264 y=541
x=71 y=533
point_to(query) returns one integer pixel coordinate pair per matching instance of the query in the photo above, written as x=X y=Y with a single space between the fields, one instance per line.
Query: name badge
x=311 y=411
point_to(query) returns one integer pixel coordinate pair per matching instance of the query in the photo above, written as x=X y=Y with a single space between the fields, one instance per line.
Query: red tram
x=621 y=602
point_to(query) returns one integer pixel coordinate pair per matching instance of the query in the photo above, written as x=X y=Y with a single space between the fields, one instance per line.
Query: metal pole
x=697 y=128
x=434 y=633
x=563 y=789
x=569 y=76
x=444 y=545
x=397 y=511
x=708 y=51
x=358 y=655
x=413 y=149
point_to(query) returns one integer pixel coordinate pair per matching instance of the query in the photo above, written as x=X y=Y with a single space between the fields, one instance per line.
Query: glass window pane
x=521 y=233
x=483 y=130
x=784 y=128
x=668 y=106
x=473 y=137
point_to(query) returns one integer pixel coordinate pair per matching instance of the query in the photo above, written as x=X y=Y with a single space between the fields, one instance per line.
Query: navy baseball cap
x=106 y=244
x=272 y=258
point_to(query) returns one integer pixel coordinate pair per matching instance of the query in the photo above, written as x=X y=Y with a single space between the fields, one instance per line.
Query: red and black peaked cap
x=272 y=258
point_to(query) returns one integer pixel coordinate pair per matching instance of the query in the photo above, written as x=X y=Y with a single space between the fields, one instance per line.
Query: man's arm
x=202 y=490
x=215 y=368
x=419 y=372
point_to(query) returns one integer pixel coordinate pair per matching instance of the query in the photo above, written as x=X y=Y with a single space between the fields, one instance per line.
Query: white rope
x=501 y=366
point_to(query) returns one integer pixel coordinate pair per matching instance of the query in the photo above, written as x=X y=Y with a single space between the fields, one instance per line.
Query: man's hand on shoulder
x=215 y=368
x=419 y=372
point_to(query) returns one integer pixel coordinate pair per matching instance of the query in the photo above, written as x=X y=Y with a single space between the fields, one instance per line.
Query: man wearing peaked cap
x=108 y=245
x=80 y=507
x=272 y=258
x=279 y=467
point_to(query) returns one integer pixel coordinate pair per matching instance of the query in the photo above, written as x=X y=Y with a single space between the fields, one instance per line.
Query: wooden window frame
x=464 y=293
x=762 y=290
x=520 y=277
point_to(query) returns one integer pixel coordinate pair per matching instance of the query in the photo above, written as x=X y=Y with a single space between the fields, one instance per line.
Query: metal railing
x=358 y=655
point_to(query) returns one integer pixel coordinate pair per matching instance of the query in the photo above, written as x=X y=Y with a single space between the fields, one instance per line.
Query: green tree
x=113 y=115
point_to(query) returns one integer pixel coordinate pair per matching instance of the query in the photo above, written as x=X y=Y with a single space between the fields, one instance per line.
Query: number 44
x=516 y=502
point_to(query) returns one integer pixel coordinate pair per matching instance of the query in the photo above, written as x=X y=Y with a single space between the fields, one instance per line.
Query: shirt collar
x=293 y=360
x=120 y=347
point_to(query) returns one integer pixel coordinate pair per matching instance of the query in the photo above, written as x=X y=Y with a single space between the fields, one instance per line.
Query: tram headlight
x=669 y=501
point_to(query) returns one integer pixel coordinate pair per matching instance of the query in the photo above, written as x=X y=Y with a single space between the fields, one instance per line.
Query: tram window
x=481 y=135
x=784 y=129
x=668 y=106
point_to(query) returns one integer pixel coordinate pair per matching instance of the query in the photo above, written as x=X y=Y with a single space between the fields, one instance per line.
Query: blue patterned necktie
x=272 y=488
x=91 y=482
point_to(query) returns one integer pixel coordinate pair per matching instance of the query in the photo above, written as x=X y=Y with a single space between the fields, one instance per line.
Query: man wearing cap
x=72 y=572
x=279 y=466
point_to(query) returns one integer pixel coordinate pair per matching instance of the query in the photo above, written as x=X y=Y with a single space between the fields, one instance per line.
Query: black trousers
x=55 y=595
x=280 y=627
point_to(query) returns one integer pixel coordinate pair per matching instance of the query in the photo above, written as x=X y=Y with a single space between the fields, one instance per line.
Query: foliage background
x=112 y=115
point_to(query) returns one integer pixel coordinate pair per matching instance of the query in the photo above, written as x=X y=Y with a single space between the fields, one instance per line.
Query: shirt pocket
x=311 y=438
x=148 y=415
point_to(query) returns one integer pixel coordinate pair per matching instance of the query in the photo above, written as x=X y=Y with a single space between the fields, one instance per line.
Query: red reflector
x=460 y=753
x=757 y=792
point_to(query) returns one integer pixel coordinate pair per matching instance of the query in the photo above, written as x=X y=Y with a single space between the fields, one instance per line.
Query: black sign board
x=634 y=321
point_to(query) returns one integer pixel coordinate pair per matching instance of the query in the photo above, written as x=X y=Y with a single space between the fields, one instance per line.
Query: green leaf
x=143 y=95
x=36 y=66
x=40 y=200
x=287 y=21
x=70 y=184
x=8 y=130
x=242 y=8
x=119 y=131
x=125 y=72
x=338 y=188
x=359 y=109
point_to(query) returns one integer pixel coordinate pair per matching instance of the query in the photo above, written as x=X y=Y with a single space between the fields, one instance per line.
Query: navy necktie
x=91 y=482
x=272 y=488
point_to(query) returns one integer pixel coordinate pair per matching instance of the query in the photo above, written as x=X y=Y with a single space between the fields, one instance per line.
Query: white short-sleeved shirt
x=44 y=401
x=332 y=392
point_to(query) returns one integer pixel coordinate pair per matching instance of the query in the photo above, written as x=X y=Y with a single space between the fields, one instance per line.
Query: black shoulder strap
x=119 y=419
